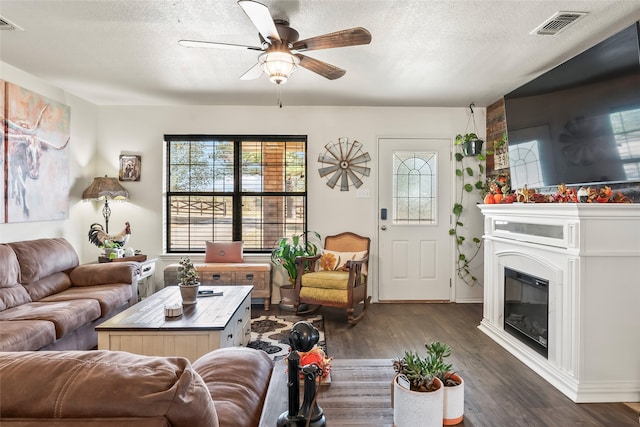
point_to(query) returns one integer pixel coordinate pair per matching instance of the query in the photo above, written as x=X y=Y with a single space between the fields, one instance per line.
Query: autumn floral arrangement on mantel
x=498 y=190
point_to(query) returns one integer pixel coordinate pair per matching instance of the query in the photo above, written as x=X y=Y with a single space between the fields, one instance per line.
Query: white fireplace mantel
x=590 y=253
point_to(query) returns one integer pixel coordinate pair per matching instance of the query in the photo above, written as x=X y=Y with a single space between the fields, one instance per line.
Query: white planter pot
x=413 y=409
x=453 y=403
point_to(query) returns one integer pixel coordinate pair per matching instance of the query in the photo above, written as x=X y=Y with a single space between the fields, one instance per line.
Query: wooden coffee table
x=359 y=394
x=214 y=322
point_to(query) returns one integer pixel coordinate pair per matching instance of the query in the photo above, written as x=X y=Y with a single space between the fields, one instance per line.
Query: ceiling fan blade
x=261 y=18
x=328 y=71
x=351 y=37
x=254 y=73
x=215 y=45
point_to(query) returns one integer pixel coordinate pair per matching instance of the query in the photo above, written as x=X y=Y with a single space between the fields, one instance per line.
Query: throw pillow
x=224 y=252
x=334 y=260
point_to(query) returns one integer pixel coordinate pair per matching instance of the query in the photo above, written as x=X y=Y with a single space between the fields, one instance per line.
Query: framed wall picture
x=130 y=166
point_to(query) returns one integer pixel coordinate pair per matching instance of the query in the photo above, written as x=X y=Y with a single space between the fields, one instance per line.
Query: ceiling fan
x=281 y=47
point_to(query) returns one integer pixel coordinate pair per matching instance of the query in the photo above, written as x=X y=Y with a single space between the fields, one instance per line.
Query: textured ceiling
x=423 y=52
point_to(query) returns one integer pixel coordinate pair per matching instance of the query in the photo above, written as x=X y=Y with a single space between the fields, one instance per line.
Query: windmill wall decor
x=344 y=161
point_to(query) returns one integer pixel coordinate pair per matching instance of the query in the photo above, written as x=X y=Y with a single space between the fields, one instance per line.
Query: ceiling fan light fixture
x=278 y=65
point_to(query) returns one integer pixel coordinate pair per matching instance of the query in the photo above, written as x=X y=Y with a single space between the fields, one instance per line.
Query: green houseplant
x=285 y=253
x=471 y=144
x=469 y=171
x=188 y=281
x=289 y=248
x=418 y=393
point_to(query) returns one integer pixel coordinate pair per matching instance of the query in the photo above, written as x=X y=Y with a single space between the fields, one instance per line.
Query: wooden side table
x=146 y=283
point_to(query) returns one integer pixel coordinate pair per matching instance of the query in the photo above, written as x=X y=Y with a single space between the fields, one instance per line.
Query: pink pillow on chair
x=224 y=252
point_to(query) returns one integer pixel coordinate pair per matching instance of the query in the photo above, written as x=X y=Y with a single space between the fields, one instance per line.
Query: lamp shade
x=105 y=188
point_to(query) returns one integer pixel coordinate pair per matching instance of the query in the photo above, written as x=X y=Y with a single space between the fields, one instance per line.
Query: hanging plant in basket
x=471 y=144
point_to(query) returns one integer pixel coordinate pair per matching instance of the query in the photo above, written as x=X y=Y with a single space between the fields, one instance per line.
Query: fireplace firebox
x=526 y=309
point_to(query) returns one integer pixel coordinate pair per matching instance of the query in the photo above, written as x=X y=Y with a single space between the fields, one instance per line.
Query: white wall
x=100 y=134
x=141 y=129
x=82 y=143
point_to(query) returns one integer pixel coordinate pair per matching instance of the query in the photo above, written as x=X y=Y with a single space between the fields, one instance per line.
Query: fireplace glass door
x=526 y=309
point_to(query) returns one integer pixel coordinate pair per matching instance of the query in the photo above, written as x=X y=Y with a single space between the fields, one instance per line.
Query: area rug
x=271 y=333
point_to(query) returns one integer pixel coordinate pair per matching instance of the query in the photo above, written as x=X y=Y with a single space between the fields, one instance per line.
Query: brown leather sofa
x=226 y=387
x=50 y=302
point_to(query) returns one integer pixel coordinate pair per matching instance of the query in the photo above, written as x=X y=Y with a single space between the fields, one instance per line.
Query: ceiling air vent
x=5 y=24
x=558 y=22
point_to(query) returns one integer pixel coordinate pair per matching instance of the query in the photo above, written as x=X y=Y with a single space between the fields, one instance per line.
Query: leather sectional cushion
x=77 y=385
x=11 y=292
x=97 y=274
x=66 y=316
x=110 y=297
x=19 y=335
x=41 y=288
x=238 y=379
x=43 y=257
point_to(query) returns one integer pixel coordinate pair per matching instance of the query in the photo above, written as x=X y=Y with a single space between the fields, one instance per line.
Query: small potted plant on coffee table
x=188 y=281
x=417 y=391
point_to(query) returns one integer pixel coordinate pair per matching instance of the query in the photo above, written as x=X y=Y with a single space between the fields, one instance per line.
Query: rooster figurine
x=98 y=237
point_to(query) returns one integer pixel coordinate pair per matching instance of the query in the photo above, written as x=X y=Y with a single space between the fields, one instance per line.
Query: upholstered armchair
x=337 y=277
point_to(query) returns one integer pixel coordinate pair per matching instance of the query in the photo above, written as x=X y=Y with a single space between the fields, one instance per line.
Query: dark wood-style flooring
x=500 y=391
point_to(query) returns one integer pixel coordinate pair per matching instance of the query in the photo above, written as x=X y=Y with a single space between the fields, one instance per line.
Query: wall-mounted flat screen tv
x=580 y=122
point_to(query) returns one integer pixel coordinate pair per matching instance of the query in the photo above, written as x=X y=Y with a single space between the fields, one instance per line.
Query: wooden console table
x=257 y=275
x=359 y=394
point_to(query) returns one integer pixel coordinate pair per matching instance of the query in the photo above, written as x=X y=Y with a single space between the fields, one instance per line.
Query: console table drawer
x=208 y=278
x=258 y=280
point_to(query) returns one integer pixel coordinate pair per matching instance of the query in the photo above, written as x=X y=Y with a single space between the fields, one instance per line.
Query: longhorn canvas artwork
x=36 y=156
x=2 y=149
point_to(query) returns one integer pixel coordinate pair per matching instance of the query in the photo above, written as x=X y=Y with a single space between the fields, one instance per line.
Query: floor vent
x=558 y=22
x=5 y=24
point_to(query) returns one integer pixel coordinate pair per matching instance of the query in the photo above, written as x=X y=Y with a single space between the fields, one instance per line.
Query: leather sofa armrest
x=107 y=273
x=238 y=379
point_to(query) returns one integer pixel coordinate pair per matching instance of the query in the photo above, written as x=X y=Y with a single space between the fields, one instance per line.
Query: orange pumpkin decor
x=318 y=357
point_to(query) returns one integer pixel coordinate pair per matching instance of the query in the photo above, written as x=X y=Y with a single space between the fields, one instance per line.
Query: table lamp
x=105 y=188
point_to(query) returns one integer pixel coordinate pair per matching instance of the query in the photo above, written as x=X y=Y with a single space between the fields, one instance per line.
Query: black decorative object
x=303 y=337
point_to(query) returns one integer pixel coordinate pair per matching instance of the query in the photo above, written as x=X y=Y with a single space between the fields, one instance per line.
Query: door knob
x=383 y=228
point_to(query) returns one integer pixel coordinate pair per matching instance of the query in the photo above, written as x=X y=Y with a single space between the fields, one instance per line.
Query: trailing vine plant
x=470 y=177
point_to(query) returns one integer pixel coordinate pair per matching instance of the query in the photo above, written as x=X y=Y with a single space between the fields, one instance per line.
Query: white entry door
x=415 y=198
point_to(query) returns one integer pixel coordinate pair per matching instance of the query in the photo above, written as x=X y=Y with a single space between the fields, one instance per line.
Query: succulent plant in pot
x=453 y=398
x=418 y=393
x=188 y=281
